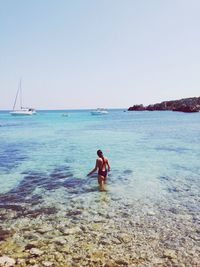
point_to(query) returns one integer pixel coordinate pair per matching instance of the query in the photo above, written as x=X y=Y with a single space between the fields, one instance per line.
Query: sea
x=143 y=148
x=154 y=158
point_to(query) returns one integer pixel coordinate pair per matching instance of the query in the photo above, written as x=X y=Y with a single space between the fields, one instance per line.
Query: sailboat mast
x=21 y=93
x=17 y=95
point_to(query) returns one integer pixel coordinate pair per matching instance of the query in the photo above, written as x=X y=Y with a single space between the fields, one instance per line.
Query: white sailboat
x=23 y=111
x=99 y=111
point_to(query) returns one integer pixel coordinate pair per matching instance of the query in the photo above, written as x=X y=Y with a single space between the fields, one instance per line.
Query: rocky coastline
x=183 y=105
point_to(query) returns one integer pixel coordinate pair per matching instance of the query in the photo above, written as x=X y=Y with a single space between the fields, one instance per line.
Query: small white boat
x=99 y=111
x=22 y=111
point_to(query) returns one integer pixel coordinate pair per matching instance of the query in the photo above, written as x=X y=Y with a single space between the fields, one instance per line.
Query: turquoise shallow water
x=153 y=156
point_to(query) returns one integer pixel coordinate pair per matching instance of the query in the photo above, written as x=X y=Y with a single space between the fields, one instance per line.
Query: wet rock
x=37 y=212
x=116 y=241
x=31 y=245
x=96 y=226
x=21 y=262
x=65 y=248
x=59 y=240
x=77 y=257
x=47 y=263
x=74 y=213
x=44 y=229
x=71 y=231
x=124 y=238
x=169 y=253
x=33 y=262
x=195 y=237
x=6 y=261
x=59 y=257
x=121 y=262
x=104 y=242
x=83 y=228
x=4 y=234
x=110 y=264
x=97 y=256
x=151 y=213
x=128 y=172
x=36 y=252
x=32 y=236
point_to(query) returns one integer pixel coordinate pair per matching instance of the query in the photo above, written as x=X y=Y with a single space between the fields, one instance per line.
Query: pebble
x=151 y=213
x=31 y=245
x=121 y=262
x=6 y=261
x=59 y=241
x=71 y=231
x=47 y=263
x=36 y=252
x=169 y=253
x=110 y=264
x=44 y=229
x=124 y=238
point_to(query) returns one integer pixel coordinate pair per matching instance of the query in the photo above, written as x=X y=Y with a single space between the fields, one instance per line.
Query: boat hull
x=21 y=113
x=99 y=112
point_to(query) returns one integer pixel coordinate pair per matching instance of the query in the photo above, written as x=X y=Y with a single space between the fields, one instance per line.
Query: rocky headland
x=183 y=105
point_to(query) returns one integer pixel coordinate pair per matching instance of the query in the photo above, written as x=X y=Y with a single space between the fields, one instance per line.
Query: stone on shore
x=169 y=253
x=36 y=252
x=71 y=231
x=6 y=261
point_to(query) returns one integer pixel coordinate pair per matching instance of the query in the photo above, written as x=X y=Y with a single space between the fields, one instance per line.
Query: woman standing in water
x=101 y=166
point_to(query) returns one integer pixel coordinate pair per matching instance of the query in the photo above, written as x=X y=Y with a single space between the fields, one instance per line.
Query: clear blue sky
x=98 y=53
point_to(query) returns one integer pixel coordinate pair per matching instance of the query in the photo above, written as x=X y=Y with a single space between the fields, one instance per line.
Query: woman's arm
x=95 y=168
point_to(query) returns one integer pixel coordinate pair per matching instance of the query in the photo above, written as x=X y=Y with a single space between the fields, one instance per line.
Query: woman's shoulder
x=100 y=160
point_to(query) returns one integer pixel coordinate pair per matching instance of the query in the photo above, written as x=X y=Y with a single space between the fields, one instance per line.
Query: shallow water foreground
x=51 y=214
x=108 y=232
x=102 y=231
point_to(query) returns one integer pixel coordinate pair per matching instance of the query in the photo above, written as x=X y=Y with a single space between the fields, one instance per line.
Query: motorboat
x=99 y=111
x=22 y=111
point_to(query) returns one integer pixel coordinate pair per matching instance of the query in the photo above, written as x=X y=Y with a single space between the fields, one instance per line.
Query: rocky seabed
x=109 y=233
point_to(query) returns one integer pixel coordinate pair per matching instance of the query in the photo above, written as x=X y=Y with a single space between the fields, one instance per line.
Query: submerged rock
x=121 y=262
x=4 y=234
x=169 y=253
x=71 y=231
x=36 y=252
x=6 y=261
x=47 y=263
x=124 y=238
x=32 y=244
x=59 y=240
x=44 y=229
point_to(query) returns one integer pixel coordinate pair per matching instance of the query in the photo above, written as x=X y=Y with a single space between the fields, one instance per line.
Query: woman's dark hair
x=99 y=153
